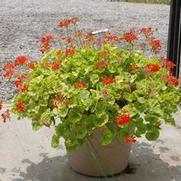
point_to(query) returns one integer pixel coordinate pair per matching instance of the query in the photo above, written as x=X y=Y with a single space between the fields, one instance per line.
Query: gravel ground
x=22 y=23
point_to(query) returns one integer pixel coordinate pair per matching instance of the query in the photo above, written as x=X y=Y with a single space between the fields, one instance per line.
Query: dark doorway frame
x=174 y=35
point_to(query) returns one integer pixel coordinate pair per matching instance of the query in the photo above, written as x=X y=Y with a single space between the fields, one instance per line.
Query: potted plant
x=100 y=92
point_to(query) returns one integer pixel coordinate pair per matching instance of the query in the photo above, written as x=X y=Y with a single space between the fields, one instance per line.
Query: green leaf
x=62 y=110
x=84 y=94
x=110 y=99
x=141 y=100
x=36 y=125
x=122 y=133
x=81 y=133
x=60 y=129
x=112 y=68
x=170 y=120
x=74 y=115
x=151 y=118
x=152 y=134
x=94 y=78
x=100 y=108
x=107 y=137
x=103 y=119
x=129 y=97
x=55 y=141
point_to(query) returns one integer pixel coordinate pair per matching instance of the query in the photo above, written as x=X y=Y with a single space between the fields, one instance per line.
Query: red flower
x=155 y=44
x=18 y=83
x=46 y=38
x=146 y=31
x=168 y=64
x=1 y=104
x=171 y=79
x=130 y=36
x=80 y=85
x=55 y=65
x=68 y=40
x=1 y=68
x=9 y=66
x=108 y=80
x=20 y=107
x=125 y=119
x=8 y=74
x=32 y=64
x=89 y=37
x=100 y=64
x=69 y=51
x=112 y=38
x=45 y=43
x=6 y=115
x=21 y=60
x=67 y=22
x=153 y=67
x=130 y=139
x=24 y=89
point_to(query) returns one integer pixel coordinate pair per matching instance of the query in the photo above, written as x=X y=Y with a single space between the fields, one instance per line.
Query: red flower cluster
x=6 y=115
x=68 y=40
x=153 y=67
x=9 y=66
x=111 y=38
x=24 y=88
x=21 y=60
x=31 y=65
x=100 y=64
x=168 y=64
x=55 y=65
x=155 y=44
x=8 y=74
x=146 y=31
x=19 y=83
x=45 y=43
x=69 y=51
x=9 y=70
x=20 y=107
x=130 y=36
x=89 y=36
x=125 y=119
x=108 y=80
x=80 y=85
x=130 y=139
x=67 y=22
x=171 y=80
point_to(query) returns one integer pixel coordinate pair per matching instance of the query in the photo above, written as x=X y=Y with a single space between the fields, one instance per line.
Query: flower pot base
x=96 y=160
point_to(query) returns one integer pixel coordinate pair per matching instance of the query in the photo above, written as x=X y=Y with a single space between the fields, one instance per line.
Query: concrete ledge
x=27 y=155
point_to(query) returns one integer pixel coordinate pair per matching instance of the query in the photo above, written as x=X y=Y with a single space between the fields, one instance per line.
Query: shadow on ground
x=145 y=165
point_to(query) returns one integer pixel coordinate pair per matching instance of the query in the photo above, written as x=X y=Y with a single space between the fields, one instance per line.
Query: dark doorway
x=174 y=37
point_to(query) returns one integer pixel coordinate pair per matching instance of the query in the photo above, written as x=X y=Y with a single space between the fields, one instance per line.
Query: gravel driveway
x=23 y=22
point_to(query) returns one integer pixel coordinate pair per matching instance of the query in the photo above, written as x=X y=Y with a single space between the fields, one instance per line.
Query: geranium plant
x=115 y=83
